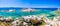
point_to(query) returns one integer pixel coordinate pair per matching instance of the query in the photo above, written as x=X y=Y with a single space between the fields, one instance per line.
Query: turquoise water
x=19 y=13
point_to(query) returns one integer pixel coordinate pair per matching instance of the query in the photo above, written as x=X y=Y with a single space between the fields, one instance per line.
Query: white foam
x=11 y=10
x=28 y=10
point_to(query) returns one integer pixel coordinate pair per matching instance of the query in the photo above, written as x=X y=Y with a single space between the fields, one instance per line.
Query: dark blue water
x=17 y=8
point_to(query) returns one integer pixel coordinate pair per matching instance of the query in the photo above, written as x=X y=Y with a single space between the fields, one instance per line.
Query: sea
x=19 y=13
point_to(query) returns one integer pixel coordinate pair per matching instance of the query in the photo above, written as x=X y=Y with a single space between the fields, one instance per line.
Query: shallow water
x=19 y=13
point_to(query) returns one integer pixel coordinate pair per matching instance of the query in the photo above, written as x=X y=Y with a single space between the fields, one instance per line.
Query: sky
x=30 y=3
